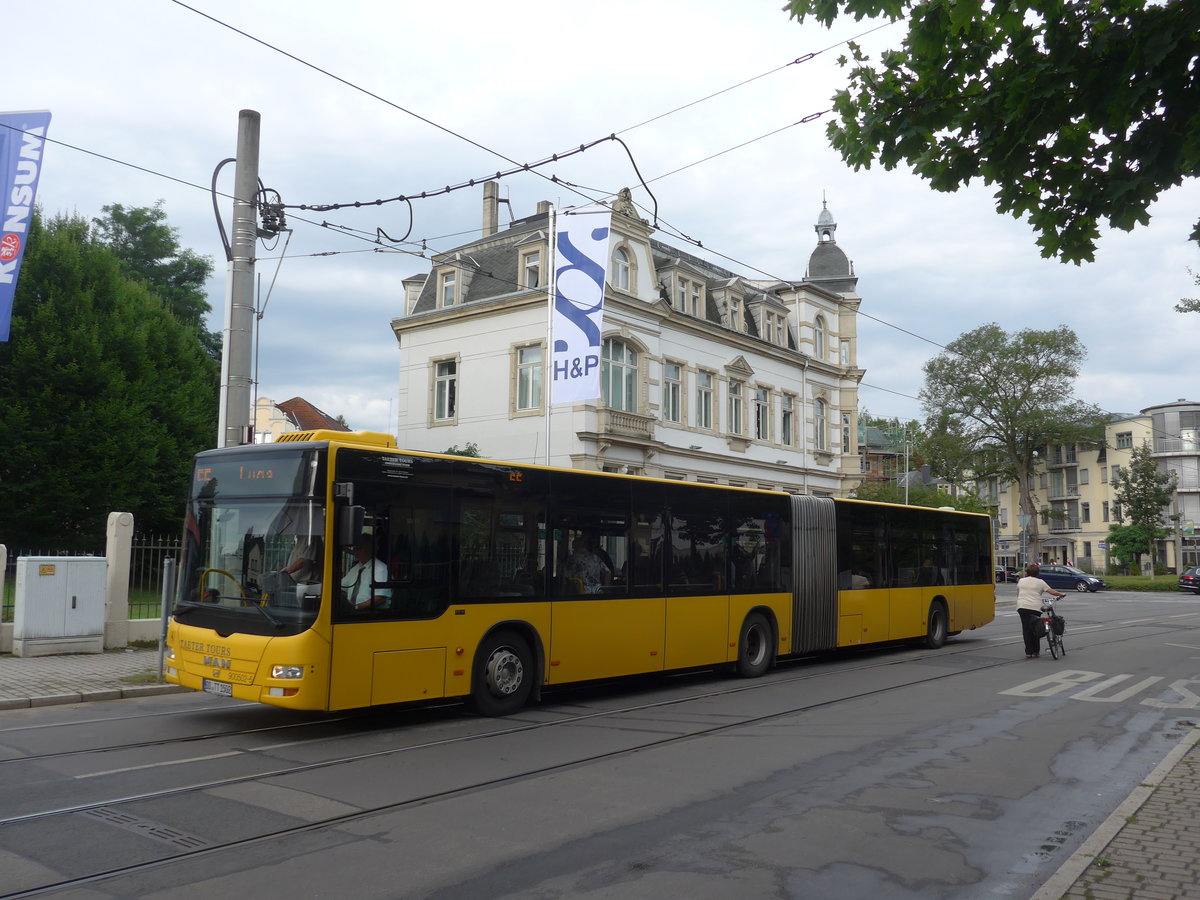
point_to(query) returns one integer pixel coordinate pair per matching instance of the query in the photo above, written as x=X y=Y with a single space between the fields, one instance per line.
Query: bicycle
x=1052 y=625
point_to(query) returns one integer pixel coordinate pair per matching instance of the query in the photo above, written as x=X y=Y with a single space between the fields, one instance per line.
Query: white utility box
x=59 y=605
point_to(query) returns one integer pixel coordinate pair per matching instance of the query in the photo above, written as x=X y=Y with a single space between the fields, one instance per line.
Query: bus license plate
x=218 y=687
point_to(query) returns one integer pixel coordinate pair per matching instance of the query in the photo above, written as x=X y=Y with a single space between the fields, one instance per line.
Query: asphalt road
x=901 y=773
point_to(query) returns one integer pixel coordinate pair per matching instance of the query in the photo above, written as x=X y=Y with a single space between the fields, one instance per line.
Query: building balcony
x=1064 y=492
x=1061 y=460
x=620 y=423
x=1059 y=526
x=1177 y=446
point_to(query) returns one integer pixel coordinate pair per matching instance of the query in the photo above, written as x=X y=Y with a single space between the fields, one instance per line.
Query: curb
x=1068 y=873
x=146 y=690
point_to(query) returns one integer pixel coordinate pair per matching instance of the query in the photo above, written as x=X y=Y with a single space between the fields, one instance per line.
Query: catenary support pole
x=233 y=426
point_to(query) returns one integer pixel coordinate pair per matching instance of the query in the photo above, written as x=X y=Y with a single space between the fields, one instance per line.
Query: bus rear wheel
x=935 y=626
x=754 y=646
x=503 y=676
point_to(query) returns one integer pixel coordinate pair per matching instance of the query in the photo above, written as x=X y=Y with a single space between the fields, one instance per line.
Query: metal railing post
x=168 y=594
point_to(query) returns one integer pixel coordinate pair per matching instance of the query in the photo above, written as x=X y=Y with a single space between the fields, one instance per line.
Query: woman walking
x=1029 y=607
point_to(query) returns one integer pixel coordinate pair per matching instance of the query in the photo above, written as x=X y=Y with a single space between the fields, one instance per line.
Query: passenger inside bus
x=586 y=567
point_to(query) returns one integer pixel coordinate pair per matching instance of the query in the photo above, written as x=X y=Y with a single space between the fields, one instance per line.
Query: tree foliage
x=148 y=249
x=1009 y=396
x=1127 y=542
x=1076 y=111
x=917 y=495
x=1190 y=304
x=1141 y=493
x=105 y=396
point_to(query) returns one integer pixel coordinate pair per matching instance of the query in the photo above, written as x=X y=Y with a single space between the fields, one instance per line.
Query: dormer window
x=531 y=268
x=697 y=300
x=681 y=292
x=735 y=315
x=621 y=267
x=448 y=288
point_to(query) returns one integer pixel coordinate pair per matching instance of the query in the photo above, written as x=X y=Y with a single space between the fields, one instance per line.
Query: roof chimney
x=543 y=208
x=491 y=208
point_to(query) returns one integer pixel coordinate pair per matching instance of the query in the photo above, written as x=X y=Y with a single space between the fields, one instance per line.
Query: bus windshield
x=252 y=565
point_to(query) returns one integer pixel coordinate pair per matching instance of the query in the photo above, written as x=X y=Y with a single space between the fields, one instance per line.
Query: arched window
x=821 y=424
x=620 y=273
x=618 y=375
x=819 y=338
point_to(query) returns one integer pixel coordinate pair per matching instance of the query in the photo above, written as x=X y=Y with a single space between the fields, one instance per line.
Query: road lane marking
x=159 y=765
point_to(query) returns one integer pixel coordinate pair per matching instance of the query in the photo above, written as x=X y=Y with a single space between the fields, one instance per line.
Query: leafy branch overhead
x=1078 y=112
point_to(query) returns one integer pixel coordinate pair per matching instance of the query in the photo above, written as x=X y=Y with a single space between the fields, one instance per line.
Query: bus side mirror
x=350 y=525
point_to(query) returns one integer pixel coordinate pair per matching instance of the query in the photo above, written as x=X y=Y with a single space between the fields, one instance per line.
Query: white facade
x=707 y=376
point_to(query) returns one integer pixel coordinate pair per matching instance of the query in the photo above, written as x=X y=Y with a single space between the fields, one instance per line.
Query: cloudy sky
x=382 y=99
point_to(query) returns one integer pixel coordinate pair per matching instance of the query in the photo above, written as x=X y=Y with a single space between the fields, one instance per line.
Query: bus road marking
x=1101 y=689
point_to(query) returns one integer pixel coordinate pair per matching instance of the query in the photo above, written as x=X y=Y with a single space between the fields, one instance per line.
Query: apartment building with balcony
x=706 y=375
x=1073 y=490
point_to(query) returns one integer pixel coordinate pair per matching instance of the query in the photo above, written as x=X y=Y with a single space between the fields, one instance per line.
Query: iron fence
x=145 y=573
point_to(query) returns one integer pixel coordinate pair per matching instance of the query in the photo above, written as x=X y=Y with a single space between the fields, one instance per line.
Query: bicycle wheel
x=1055 y=643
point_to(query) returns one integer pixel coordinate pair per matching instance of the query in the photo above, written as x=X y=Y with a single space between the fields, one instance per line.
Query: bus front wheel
x=754 y=646
x=503 y=677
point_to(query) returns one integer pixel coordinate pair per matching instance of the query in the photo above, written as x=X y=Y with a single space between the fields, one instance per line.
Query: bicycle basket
x=1059 y=624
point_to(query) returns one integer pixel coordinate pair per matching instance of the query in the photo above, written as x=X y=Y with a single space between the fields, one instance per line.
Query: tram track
x=1108 y=634
x=368 y=714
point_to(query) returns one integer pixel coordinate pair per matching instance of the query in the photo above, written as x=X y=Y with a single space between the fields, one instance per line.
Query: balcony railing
x=626 y=424
x=1063 y=491
x=1070 y=523
x=1176 y=445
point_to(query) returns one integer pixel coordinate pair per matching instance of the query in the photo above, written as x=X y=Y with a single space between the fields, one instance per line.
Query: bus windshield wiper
x=270 y=618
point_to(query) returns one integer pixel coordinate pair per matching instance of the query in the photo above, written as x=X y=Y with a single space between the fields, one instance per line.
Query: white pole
x=234 y=421
x=548 y=356
x=906 y=479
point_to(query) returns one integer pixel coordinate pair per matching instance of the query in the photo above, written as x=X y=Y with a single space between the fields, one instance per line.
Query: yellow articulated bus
x=333 y=571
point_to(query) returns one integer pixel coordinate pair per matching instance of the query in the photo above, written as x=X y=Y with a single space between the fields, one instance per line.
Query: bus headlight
x=287 y=671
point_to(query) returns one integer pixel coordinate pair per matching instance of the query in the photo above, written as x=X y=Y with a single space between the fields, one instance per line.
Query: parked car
x=1064 y=577
x=1189 y=579
x=1007 y=573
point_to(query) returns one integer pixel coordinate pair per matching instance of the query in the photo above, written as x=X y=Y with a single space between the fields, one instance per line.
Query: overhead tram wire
x=359 y=88
x=521 y=167
x=379 y=248
x=797 y=61
x=526 y=167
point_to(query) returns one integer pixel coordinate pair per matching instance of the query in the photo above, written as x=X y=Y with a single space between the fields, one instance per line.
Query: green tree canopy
x=1077 y=111
x=104 y=396
x=149 y=251
x=917 y=495
x=1009 y=396
x=1127 y=542
x=1142 y=493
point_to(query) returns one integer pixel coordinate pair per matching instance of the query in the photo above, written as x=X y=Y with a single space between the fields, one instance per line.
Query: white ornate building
x=707 y=375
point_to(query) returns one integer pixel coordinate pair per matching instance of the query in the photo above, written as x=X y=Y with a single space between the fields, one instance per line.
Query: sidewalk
x=1148 y=849
x=49 y=680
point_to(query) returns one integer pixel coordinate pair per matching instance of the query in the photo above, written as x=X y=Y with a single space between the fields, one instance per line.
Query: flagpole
x=551 y=281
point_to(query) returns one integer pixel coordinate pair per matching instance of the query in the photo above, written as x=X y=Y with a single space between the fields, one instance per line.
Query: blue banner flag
x=577 y=295
x=22 y=138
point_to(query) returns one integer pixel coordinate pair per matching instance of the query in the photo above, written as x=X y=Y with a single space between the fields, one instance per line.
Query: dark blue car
x=1064 y=578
